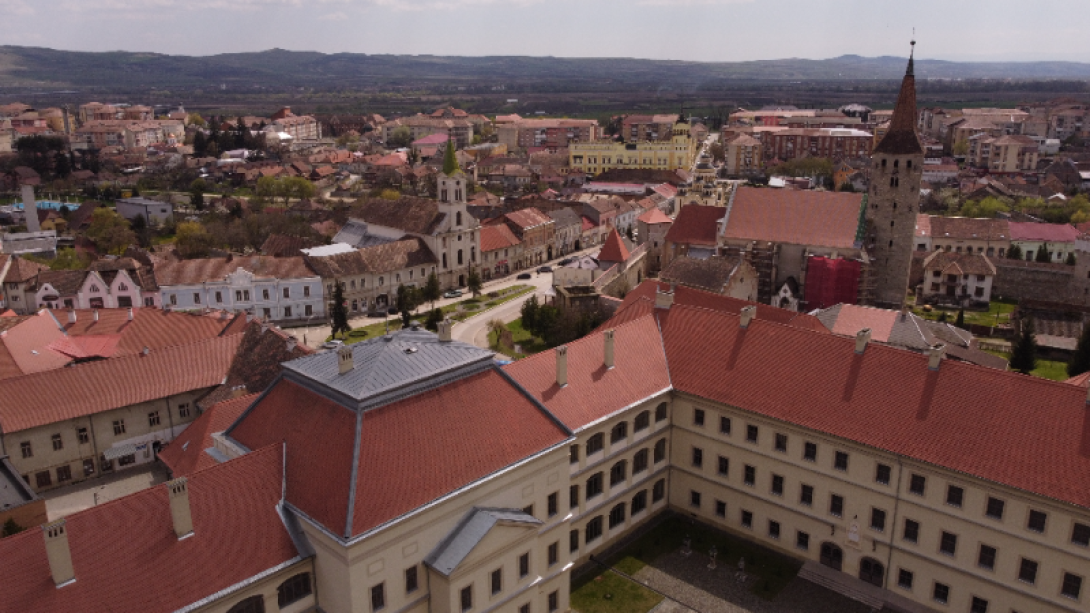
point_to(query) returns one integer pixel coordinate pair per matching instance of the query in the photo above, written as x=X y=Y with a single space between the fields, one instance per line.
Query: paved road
x=475 y=329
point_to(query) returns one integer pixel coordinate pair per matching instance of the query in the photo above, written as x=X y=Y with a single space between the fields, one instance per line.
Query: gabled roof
x=192 y=272
x=696 y=225
x=527 y=218
x=798 y=217
x=151 y=328
x=1049 y=232
x=952 y=262
x=22 y=269
x=26 y=345
x=497 y=236
x=654 y=216
x=469 y=532
x=711 y=274
x=187 y=453
x=384 y=257
x=120 y=548
x=408 y=214
x=614 y=249
x=965 y=228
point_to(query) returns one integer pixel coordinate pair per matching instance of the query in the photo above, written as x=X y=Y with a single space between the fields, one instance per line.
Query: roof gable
x=798 y=217
x=480 y=535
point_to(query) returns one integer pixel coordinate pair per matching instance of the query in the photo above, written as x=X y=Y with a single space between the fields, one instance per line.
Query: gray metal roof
x=390 y=367
x=13 y=490
x=471 y=530
x=354 y=233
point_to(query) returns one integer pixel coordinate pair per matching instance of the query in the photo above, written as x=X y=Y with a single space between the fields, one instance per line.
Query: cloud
x=15 y=7
x=422 y=5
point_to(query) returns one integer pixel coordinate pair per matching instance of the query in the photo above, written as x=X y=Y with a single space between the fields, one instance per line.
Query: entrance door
x=871 y=571
x=832 y=556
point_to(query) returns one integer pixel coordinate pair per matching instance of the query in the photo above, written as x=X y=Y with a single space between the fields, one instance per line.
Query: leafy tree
x=399 y=138
x=989 y=207
x=10 y=528
x=1070 y=260
x=496 y=327
x=408 y=298
x=200 y=144
x=195 y=119
x=1014 y=253
x=196 y=193
x=1042 y=254
x=529 y=314
x=62 y=167
x=431 y=290
x=473 y=281
x=717 y=152
x=338 y=312
x=435 y=316
x=110 y=232
x=192 y=240
x=1024 y=348
x=141 y=230
x=806 y=167
x=960 y=320
x=1080 y=362
x=66 y=259
x=961 y=147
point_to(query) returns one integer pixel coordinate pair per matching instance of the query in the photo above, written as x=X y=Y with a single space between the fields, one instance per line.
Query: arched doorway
x=832 y=556
x=872 y=571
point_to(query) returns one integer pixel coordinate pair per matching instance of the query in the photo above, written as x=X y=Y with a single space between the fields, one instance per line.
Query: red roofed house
x=1055 y=238
x=693 y=232
x=501 y=251
x=651 y=228
x=536 y=232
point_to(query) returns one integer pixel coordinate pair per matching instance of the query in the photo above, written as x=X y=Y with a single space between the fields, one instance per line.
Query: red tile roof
x=696 y=225
x=798 y=217
x=120 y=549
x=27 y=346
x=654 y=216
x=185 y=454
x=528 y=218
x=152 y=328
x=189 y=272
x=853 y=318
x=49 y=397
x=613 y=250
x=497 y=236
x=971 y=419
x=1050 y=232
x=592 y=391
x=405 y=447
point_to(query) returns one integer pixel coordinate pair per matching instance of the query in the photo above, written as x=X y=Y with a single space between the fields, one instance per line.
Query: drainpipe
x=893 y=524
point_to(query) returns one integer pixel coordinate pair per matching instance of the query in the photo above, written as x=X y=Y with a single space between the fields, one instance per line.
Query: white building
x=153 y=211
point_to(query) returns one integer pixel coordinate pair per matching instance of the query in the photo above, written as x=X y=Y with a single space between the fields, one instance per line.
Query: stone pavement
x=68 y=500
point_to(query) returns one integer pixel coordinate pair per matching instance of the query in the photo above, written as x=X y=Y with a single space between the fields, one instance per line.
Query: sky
x=701 y=30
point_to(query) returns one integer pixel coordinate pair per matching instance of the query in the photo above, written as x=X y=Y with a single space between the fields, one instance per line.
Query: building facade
x=599 y=156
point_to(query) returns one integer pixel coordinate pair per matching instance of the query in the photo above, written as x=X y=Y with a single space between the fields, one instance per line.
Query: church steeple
x=911 y=72
x=901 y=139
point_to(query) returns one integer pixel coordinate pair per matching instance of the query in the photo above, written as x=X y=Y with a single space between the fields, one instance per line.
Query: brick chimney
x=344 y=359
x=445 y=328
x=861 y=339
x=94 y=314
x=747 y=315
x=562 y=365
x=178 y=491
x=608 y=336
x=934 y=356
x=130 y=314
x=71 y=316
x=58 y=553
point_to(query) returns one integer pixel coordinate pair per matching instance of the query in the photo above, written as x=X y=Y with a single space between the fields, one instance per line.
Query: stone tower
x=894 y=198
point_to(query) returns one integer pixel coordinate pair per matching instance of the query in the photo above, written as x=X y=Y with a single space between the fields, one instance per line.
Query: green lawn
x=1046 y=369
x=608 y=592
x=774 y=571
x=529 y=343
x=371 y=330
x=997 y=313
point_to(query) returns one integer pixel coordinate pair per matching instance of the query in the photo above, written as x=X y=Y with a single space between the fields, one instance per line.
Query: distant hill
x=32 y=67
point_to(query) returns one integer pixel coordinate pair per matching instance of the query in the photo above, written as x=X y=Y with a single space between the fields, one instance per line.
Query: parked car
x=566 y=261
x=525 y=275
x=545 y=269
x=332 y=344
x=452 y=293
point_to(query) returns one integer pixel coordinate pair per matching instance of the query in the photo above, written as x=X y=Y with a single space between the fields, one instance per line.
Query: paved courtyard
x=69 y=500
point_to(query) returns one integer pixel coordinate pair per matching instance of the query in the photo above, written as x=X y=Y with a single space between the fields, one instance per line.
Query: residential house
x=832 y=143
x=959 y=278
x=536 y=232
x=1057 y=239
x=153 y=211
x=652 y=227
x=19 y=276
x=990 y=237
x=569 y=228
x=693 y=233
x=371 y=275
x=275 y=289
x=501 y=251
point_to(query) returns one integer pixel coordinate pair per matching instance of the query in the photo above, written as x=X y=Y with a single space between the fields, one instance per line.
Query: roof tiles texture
x=1051 y=232
x=191 y=272
x=185 y=454
x=385 y=257
x=497 y=236
x=614 y=249
x=696 y=225
x=151 y=328
x=798 y=217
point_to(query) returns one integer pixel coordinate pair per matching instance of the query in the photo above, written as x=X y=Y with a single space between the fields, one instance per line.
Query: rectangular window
x=554 y=553
x=497 y=581
x=809 y=452
x=287 y=292
x=751 y=434
x=287 y=311
x=64 y=473
x=841 y=461
x=986 y=558
x=573 y=541
x=698 y=417
x=995 y=508
x=694 y=499
x=878 y=520
x=698 y=457
x=43 y=479
x=573 y=454
x=941 y=593
x=773 y=529
x=882 y=474
x=724 y=466
x=82 y=436
x=836 y=505
x=802 y=540
x=750 y=476
x=196 y=298
x=554 y=601
x=552 y=504
x=777 y=485
x=524 y=559
x=747 y=519
x=806 y=495
x=948 y=544
x=265 y=294
x=917 y=484
x=781 y=442
x=1037 y=520
x=979 y=605
x=58 y=442
x=467 y=598
x=119 y=427
x=954 y=496
x=904 y=579
x=153 y=418
x=720 y=508
x=306 y=288
x=911 y=531
x=411 y=583
x=724 y=425
x=1072 y=586
x=378 y=597
x=219 y=297
x=1027 y=571
x=1080 y=535
x=573 y=496
x=183 y=410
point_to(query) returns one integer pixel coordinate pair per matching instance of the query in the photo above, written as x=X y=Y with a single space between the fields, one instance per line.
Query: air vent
x=410 y=350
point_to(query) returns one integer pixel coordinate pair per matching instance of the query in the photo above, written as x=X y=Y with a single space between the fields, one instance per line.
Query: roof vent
x=344 y=359
x=411 y=350
x=935 y=356
x=747 y=314
x=663 y=299
x=861 y=339
x=58 y=553
x=145 y=351
x=445 y=328
x=562 y=365
x=71 y=316
x=94 y=314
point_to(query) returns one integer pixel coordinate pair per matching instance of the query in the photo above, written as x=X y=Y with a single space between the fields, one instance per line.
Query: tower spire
x=911 y=72
x=901 y=138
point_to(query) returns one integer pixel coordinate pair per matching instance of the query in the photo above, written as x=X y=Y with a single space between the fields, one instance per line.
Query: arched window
x=253 y=604
x=294 y=588
x=660 y=412
x=122 y=287
x=660 y=450
x=616 y=515
x=618 y=473
x=619 y=432
x=444 y=260
x=642 y=422
x=595 y=443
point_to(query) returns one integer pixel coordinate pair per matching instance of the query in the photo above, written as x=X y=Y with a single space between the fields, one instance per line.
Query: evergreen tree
x=1024 y=348
x=1080 y=362
x=62 y=167
x=200 y=144
x=434 y=318
x=431 y=290
x=960 y=321
x=1070 y=261
x=1014 y=253
x=338 y=312
x=10 y=528
x=473 y=281
x=529 y=314
x=1042 y=254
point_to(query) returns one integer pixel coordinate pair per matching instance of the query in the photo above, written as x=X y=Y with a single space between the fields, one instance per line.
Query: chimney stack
x=445 y=328
x=747 y=315
x=71 y=316
x=94 y=314
x=291 y=343
x=178 y=491
x=935 y=356
x=130 y=314
x=664 y=299
x=344 y=359
x=861 y=339
x=609 y=348
x=58 y=553
x=30 y=209
x=562 y=365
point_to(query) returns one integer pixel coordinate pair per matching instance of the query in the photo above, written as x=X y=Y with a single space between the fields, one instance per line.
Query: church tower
x=452 y=186
x=894 y=198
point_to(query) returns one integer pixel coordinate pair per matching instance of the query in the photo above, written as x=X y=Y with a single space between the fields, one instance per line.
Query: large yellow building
x=601 y=155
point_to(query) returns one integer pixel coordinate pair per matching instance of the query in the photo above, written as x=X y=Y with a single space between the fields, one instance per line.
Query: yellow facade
x=600 y=156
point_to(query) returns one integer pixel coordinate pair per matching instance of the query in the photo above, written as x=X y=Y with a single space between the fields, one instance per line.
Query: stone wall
x=1017 y=280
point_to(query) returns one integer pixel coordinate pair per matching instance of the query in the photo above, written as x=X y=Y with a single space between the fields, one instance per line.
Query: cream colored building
x=599 y=156
x=743 y=155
